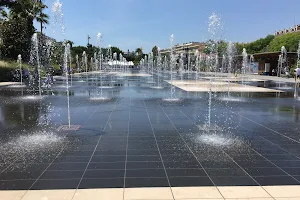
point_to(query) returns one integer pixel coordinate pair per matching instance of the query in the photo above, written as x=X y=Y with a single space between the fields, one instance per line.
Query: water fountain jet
x=172 y=99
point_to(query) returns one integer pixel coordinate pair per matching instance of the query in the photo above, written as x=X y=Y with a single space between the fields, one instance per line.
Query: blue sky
x=129 y=24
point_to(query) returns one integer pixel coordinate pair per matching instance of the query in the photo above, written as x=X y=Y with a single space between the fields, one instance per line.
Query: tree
x=16 y=38
x=239 y=47
x=116 y=50
x=215 y=47
x=58 y=53
x=155 y=51
x=17 y=28
x=139 y=51
x=6 y=3
x=78 y=50
x=70 y=42
x=260 y=45
x=42 y=18
x=290 y=41
x=222 y=48
x=30 y=9
x=130 y=57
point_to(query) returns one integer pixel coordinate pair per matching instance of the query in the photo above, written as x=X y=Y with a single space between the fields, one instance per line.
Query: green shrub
x=8 y=67
x=293 y=67
x=6 y=73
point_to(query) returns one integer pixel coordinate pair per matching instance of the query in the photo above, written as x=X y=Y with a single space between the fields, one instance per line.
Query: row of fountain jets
x=149 y=63
x=202 y=62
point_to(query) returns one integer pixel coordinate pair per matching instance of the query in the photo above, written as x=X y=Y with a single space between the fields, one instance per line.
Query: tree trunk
x=41 y=28
x=41 y=21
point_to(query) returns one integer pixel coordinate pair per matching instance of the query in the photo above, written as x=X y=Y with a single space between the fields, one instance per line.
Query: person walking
x=298 y=72
x=297 y=76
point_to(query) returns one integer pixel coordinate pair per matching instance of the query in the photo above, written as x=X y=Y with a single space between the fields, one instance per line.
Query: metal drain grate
x=69 y=128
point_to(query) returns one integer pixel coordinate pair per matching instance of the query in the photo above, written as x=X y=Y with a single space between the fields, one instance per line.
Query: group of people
x=27 y=76
x=287 y=72
x=17 y=75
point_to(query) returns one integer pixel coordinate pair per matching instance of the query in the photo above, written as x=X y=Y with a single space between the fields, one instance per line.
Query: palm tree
x=42 y=18
x=29 y=9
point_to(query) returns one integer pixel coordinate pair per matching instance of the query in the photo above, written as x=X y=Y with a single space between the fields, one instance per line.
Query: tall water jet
x=58 y=15
x=142 y=62
x=36 y=56
x=59 y=18
x=95 y=66
x=77 y=63
x=20 y=68
x=251 y=63
x=181 y=66
x=197 y=61
x=213 y=28
x=111 y=57
x=84 y=61
x=172 y=99
x=70 y=69
x=207 y=63
x=147 y=63
x=79 y=67
x=150 y=60
x=66 y=66
x=96 y=63
x=152 y=66
x=172 y=65
x=165 y=66
x=158 y=64
x=99 y=36
x=295 y=73
x=188 y=63
x=216 y=66
x=49 y=61
x=121 y=60
x=230 y=54
x=100 y=58
x=115 y=59
x=245 y=64
x=223 y=63
x=283 y=60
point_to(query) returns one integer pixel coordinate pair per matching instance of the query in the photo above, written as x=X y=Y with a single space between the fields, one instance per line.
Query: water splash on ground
x=32 y=147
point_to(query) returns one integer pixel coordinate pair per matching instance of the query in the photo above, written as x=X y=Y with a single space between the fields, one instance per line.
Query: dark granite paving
x=135 y=139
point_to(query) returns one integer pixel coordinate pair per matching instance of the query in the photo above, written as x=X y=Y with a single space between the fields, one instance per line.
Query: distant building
x=186 y=48
x=290 y=30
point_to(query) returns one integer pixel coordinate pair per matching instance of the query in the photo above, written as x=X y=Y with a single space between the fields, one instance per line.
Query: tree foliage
x=17 y=25
x=258 y=46
x=290 y=41
x=139 y=51
x=155 y=51
x=214 y=47
x=16 y=38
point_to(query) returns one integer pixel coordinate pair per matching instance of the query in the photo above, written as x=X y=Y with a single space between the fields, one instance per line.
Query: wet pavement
x=136 y=139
